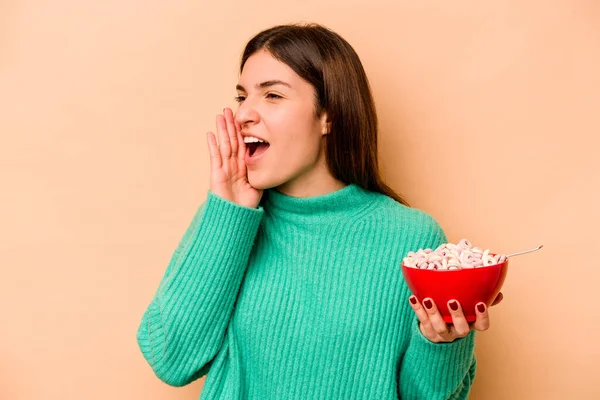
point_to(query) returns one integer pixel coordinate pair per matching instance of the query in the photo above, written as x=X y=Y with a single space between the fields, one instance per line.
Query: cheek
x=298 y=148
x=297 y=135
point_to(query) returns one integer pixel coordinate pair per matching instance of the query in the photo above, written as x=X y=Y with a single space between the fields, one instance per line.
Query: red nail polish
x=481 y=307
x=428 y=304
x=453 y=305
x=413 y=300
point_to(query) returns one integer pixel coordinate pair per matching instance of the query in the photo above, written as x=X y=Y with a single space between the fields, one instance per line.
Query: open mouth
x=255 y=147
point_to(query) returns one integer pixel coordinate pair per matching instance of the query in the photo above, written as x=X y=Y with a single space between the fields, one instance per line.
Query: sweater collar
x=342 y=203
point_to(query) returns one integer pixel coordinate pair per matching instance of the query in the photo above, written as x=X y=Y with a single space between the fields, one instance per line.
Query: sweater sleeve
x=435 y=371
x=184 y=326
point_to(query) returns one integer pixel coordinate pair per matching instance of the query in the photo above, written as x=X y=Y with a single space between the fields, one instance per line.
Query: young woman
x=287 y=284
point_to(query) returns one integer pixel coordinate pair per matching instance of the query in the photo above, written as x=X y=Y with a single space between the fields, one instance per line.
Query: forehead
x=262 y=67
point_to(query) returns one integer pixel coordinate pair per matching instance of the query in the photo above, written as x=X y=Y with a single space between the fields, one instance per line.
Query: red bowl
x=468 y=286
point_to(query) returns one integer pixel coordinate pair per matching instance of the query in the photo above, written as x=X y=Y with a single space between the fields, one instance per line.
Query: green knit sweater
x=301 y=298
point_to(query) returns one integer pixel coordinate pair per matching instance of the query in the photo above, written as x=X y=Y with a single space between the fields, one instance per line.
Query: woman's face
x=278 y=107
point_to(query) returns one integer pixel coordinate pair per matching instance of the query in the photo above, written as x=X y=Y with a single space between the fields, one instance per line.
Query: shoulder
x=391 y=211
x=406 y=224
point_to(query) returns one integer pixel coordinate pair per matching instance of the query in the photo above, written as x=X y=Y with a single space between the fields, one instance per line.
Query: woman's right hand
x=228 y=174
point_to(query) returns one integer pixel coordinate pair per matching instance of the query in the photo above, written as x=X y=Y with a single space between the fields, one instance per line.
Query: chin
x=261 y=182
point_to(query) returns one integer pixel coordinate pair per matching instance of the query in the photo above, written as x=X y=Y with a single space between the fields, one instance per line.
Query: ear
x=325 y=123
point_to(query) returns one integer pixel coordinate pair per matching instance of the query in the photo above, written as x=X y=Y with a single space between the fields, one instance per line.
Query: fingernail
x=413 y=300
x=481 y=307
x=453 y=305
x=428 y=304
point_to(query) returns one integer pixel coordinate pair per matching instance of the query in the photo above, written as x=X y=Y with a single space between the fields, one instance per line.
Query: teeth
x=252 y=139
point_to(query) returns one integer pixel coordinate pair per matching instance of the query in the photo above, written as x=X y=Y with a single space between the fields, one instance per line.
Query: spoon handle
x=524 y=252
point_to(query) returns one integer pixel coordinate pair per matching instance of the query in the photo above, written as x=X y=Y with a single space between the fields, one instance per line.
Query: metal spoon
x=524 y=252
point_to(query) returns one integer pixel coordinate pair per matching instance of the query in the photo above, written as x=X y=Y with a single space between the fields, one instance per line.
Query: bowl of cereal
x=460 y=272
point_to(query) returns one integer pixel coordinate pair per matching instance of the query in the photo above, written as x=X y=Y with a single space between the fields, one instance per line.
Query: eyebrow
x=265 y=84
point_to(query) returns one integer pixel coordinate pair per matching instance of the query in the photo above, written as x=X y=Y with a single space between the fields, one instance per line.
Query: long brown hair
x=328 y=62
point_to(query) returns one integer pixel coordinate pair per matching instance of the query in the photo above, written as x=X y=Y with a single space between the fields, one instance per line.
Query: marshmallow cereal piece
x=488 y=260
x=451 y=246
x=444 y=263
x=465 y=256
x=465 y=244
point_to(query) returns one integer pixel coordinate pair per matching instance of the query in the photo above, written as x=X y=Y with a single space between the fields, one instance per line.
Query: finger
x=419 y=310
x=241 y=143
x=437 y=321
x=498 y=299
x=425 y=324
x=224 y=145
x=213 y=150
x=482 y=322
x=231 y=133
x=460 y=326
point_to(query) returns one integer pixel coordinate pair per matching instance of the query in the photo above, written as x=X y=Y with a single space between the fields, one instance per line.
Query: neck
x=317 y=181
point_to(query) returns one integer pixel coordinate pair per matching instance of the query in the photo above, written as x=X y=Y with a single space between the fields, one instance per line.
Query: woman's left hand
x=434 y=328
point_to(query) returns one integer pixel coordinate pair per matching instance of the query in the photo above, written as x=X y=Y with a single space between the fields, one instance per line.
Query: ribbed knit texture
x=301 y=298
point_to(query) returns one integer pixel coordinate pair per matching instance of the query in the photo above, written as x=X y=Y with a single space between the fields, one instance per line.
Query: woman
x=287 y=284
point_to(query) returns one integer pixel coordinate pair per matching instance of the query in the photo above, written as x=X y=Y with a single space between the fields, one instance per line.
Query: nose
x=246 y=113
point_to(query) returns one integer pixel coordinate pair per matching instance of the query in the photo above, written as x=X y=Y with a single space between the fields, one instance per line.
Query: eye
x=273 y=96
x=239 y=98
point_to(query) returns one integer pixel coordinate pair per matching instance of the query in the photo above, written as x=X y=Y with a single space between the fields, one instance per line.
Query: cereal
x=449 y=256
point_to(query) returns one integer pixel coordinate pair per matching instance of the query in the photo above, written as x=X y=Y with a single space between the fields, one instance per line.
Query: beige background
x=489 y=121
